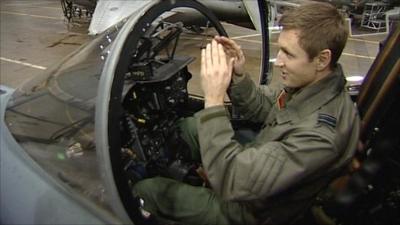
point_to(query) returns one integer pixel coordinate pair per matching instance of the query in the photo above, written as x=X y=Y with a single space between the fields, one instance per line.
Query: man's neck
x=321 y=75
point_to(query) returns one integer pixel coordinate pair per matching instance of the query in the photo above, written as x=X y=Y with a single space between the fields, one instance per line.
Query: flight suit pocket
x=265 y=172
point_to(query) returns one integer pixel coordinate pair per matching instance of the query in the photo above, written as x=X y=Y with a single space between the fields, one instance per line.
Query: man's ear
x=324 y=59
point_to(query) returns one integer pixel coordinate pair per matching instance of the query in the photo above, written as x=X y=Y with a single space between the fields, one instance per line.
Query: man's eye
x=289 y=55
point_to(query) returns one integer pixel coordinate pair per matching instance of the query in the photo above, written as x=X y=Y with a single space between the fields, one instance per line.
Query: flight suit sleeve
x=253 y=103
x=237 y=172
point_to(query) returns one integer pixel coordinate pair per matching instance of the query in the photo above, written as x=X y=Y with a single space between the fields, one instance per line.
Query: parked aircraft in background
x=109 y=13
x=75 y=139
x=103 y=14
x=73 y=9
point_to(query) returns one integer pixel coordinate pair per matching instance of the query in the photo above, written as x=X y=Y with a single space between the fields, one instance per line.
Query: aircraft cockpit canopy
x=105 y=117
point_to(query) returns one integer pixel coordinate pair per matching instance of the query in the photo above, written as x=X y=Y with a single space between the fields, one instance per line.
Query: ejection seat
x=370 y=191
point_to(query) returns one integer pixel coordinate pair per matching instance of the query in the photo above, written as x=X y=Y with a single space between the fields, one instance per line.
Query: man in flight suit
x=310 y=129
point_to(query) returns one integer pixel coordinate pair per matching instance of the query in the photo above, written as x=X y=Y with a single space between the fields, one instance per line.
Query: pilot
x=309 y=133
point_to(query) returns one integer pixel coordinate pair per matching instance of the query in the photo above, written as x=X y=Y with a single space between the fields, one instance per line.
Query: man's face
x=297 y=70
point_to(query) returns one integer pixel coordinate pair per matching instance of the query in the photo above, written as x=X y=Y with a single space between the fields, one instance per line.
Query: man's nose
x=278 y=61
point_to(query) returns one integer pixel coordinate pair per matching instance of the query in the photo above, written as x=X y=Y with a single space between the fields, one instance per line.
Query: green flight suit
x=273 y=178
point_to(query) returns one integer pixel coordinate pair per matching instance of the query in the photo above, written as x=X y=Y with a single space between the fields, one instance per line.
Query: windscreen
x=52 y=118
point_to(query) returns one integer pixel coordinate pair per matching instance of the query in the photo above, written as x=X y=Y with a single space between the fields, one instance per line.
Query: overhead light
x=354 y=78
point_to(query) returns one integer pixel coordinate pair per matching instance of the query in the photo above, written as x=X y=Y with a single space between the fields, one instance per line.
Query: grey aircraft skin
x=76 y=138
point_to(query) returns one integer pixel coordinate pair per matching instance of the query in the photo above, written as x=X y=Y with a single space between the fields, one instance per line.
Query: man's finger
x=208 y=60
x=230 y=65
x=230 y=44
x=214 y=51
x=222 y=56
x=203 y=62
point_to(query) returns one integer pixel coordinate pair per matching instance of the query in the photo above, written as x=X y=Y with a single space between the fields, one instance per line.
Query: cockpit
x=106 y=116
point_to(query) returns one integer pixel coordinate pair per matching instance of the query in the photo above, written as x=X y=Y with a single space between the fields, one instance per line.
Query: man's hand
x=216 y=73
x=234 y=51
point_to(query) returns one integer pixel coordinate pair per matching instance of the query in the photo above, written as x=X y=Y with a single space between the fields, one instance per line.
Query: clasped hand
x=219 y=59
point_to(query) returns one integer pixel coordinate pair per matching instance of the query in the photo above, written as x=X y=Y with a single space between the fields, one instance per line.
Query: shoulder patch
x=327 y=119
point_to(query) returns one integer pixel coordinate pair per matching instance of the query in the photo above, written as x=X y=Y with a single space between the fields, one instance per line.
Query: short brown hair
x=321 y=27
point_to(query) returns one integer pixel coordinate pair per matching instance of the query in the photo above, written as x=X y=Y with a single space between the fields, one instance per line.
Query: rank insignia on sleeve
x=327 y=119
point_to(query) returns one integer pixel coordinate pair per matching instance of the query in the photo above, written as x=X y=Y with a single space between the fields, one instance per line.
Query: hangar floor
x=35 y=36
